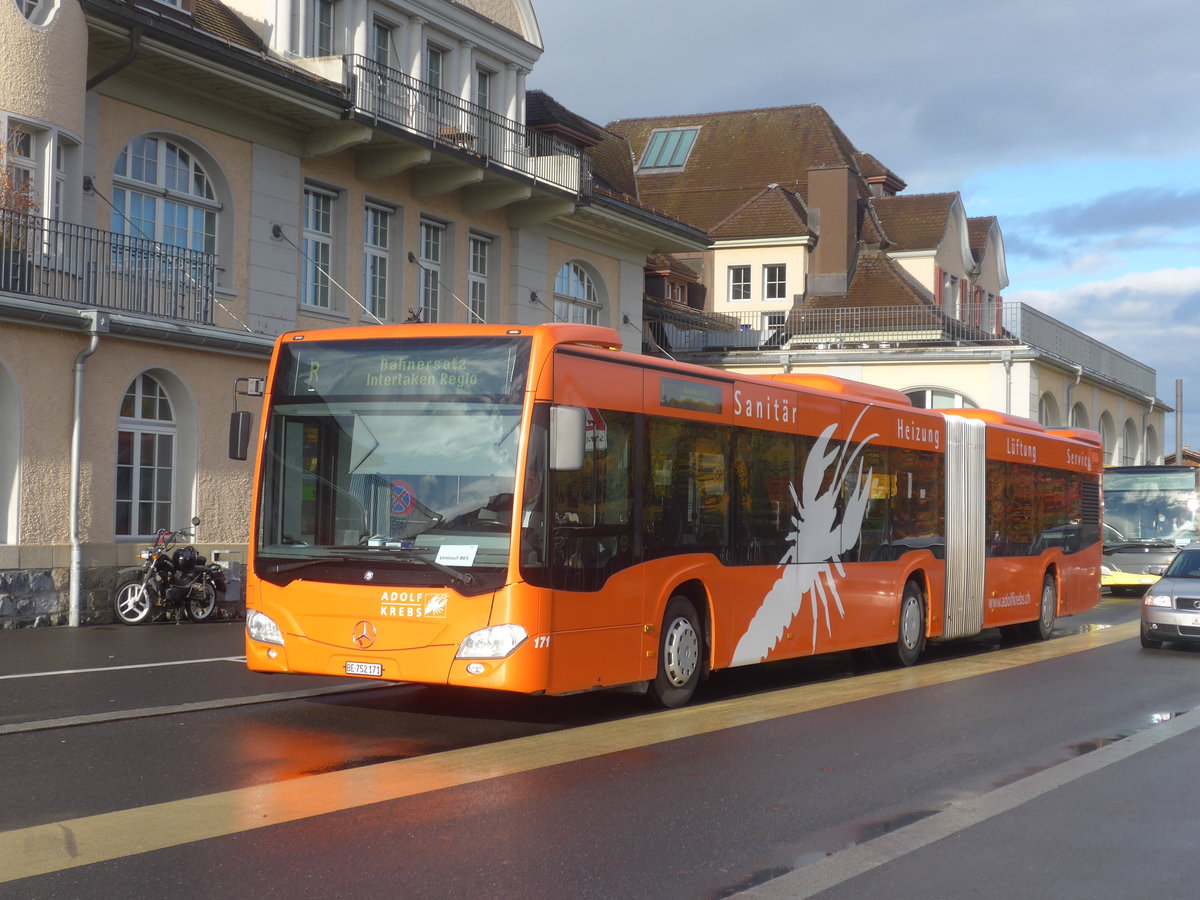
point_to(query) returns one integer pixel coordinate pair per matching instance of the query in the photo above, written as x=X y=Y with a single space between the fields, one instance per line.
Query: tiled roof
x=773 y=212
x=543 y=111
x=736 y=155
x=978 y=230
x=219 y=20
x=878 y=281
x=612 y=165
x=915 y=222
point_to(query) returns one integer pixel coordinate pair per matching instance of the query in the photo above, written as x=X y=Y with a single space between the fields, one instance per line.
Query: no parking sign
x=404 y=499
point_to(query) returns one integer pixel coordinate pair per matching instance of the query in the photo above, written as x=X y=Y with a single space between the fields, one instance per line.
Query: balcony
x=53 y=260
x=889 y=328
x=392 y=97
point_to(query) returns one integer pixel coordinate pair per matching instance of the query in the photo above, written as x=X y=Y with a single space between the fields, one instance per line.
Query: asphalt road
x=147 y=762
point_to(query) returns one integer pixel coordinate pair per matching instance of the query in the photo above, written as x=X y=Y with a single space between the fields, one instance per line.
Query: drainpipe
x=1006 y=358
x=1145 y=416
x=1071 y=394
x=97 y=324
x=135 y=47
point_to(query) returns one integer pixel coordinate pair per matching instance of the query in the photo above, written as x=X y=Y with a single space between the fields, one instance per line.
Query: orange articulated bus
x=530 y=509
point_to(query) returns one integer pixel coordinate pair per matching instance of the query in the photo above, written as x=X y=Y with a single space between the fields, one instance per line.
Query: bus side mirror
x=239 y=434
x=567 y=426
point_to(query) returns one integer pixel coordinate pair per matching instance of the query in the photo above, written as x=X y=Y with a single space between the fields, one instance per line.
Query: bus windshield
x=403 y=452
x=1150 y=505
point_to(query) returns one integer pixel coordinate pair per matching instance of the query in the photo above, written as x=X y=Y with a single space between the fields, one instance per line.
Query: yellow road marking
x=40 y=849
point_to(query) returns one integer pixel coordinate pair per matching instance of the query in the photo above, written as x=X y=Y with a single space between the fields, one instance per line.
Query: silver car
x=1171 y=606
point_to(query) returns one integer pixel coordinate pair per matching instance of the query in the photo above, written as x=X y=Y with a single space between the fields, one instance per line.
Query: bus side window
x=765 y=466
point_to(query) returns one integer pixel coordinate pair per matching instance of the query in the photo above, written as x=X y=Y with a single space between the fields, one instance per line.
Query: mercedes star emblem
x=364 y=634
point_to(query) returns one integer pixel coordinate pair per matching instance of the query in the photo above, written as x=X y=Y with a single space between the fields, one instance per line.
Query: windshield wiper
x=407 y=553
x=281 y=568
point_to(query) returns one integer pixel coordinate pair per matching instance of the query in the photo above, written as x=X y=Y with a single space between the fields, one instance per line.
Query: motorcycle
x=176 y=580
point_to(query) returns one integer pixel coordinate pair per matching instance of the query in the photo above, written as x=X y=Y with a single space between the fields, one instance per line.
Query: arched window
x=936 y=398
x=1079 y=416
x=162 y=193
x=146 y=447
x=1129 y=444
x=1108 y=437
x=1153 y=454
x=1048 y=411
x=575 y=296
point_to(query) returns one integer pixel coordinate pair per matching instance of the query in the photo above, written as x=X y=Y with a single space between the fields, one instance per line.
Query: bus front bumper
x=524 y=670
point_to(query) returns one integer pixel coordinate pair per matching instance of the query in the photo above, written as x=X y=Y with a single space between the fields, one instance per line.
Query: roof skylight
x=668 y=148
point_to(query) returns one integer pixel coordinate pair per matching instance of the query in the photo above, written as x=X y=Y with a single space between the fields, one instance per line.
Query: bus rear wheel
x=910 y=640
x=679 y=650
x=1043 y=627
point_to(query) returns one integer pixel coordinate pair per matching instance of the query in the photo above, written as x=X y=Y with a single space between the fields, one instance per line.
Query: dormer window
x=668 y=148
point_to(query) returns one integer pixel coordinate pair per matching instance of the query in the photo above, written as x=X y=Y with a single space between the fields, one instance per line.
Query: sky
x=1076 y=124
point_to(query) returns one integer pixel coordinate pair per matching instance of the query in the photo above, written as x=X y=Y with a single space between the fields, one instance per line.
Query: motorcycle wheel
x=132 y=602
x=200 y=608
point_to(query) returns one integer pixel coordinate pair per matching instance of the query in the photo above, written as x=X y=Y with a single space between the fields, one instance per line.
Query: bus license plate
x=362 y=668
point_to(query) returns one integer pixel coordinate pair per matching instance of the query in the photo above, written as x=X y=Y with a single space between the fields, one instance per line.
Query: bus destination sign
x=450 y=367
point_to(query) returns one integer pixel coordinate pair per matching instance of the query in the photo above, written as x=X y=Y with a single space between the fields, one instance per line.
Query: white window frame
x=775 y=288
x=478 y=271
x=158 y=428
x=432 y=74
x=153 y=206
x=429 y=273
x=322 y=20
x=378 y=227
x=316 y=246
x=739 y=287
x=483 y=88
x=575 y=296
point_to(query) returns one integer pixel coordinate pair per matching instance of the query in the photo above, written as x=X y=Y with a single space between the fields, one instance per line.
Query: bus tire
x=1043 y=627
x=910 y=640
x=679 y=651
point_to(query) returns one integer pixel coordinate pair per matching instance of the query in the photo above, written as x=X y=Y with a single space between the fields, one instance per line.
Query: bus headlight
x=1152 y=599
x=263 y=628
x=492 y=643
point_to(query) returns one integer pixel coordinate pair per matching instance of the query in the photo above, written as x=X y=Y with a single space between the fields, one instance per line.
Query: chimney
x=833 y=198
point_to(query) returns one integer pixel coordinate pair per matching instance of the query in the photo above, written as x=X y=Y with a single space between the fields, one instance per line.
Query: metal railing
x=887 y=327
x=57 y=260
x=396 y=98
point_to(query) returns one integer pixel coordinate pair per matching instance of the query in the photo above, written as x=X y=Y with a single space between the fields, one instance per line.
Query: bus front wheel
x=679 y=649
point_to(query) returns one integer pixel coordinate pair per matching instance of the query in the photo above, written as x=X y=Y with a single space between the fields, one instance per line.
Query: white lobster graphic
x=815 y=536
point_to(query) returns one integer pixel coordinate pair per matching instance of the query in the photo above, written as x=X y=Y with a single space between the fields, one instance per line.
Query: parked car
x=1171 y=606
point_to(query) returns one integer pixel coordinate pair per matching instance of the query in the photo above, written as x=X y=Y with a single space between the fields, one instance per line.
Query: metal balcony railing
x=56 y=260
x=393 y=97
x=894 y=327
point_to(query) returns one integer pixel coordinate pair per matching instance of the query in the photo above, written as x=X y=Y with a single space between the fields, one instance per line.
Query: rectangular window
x=668 y=149
x=377 y=227
x=317 y=247
x=381 y=43
x=739 y=282
x=477 y=277
x=429 y=273
x=775 y=282
x=322 y=28
x=433 y=66
x=483 y=88
x=951 y=302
